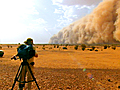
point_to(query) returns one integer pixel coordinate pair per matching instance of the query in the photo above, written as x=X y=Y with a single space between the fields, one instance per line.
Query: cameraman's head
x=29 y=41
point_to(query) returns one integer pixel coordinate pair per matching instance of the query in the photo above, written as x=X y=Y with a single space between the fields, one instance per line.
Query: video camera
x=24 y=52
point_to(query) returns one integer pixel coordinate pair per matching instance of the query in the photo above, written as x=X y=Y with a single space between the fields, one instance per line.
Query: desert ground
x=66 y=69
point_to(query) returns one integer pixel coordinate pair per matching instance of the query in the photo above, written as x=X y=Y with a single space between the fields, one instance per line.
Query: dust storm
x=101 y=26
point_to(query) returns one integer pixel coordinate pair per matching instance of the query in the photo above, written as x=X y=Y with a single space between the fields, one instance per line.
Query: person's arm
x=36 y=54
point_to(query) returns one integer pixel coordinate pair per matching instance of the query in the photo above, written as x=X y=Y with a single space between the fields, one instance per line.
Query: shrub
x=114 y=47
x=108 y=46
x=50 y=47
x=57 y=46
x=64 y=47
x=76 y=47
x=43 y=48
x=96 y=50
x=105 y=46
x=83 y=48
x=93 y=47
x=8 y=46
x=54 y=46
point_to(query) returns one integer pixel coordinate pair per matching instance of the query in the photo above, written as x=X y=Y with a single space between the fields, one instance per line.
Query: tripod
x=17 y=78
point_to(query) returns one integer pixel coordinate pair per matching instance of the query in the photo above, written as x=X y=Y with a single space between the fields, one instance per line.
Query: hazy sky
x=39 y=19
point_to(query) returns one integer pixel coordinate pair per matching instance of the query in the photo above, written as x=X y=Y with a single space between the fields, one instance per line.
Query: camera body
x=24 y=52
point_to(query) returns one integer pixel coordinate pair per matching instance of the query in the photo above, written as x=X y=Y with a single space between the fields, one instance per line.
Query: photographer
x=29 y=41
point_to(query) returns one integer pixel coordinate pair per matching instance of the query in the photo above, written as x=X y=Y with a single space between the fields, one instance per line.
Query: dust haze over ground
x=99 y=27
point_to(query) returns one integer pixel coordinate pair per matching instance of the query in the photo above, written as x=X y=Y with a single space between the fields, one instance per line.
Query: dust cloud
x=101 y=26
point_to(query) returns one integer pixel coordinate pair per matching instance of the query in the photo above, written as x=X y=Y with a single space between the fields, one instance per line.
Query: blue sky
x=39 y=19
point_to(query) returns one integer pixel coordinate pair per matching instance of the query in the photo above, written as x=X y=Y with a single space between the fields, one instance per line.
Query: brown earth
x=58 y=69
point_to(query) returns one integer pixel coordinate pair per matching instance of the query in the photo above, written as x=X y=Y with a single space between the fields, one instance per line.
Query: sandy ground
x=58 y=69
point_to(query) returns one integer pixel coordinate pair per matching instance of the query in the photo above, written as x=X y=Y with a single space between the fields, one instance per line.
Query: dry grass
x=58 y=69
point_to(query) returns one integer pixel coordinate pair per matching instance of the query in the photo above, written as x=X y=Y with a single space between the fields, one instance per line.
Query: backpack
x=25 y=52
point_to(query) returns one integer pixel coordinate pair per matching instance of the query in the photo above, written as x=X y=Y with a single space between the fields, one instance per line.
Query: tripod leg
x=22 y=77
x=33 y=76
x=16 y=77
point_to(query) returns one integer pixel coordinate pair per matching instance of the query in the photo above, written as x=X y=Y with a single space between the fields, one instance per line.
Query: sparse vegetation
x=83 y=46
x=93 y=47
x=57 y=46
x=114 y=47
x=43 y=48
x=105 y=46
x=64 y=47
x=54 y=46
x=76 y=47
x=8 y=46
x=96 y=50
x=108 y=46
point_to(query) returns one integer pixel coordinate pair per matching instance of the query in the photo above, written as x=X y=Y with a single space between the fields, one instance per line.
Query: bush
x=114 y=47
x=93 y=47
x=83 y=48
x=105 y=46
x=43 y=48
x=76 y=47
x=57 y=46
x=96 y=50
x=64 y=47
x=108 y=46
x=54 y=46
